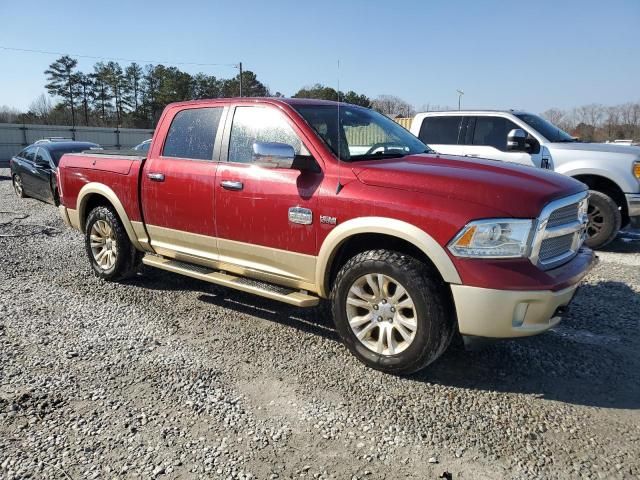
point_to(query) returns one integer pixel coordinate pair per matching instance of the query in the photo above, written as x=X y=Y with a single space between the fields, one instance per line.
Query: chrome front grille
x=555 y=247
x=564 y=215
x=560 y=231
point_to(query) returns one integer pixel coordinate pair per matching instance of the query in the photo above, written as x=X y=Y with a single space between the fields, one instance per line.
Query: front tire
x=110 y=252
x=605 y=220
x=392 y=312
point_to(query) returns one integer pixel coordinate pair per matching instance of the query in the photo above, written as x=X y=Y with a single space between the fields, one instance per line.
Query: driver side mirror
x=517 y=140
x=273 y=154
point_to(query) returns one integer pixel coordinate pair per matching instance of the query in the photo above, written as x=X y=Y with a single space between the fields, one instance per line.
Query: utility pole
x=240 y=66
x=460 y=94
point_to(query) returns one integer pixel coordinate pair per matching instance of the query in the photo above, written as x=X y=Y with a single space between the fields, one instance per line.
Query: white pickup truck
x=611 y=171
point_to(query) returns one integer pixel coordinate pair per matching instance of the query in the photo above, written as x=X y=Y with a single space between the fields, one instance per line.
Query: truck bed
x=117 y=171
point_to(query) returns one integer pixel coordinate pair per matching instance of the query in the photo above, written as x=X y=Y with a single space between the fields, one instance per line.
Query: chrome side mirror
x=273 y=154
x=517 y=140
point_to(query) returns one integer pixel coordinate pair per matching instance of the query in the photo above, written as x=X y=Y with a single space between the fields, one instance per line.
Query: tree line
x=597 y=123
x=134 y=96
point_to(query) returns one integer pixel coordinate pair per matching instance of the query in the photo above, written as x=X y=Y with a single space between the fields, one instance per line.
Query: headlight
x=496 y=238
x=636 y=170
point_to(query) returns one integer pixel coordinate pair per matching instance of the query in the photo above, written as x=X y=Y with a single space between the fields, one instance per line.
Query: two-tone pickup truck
x=302 y=200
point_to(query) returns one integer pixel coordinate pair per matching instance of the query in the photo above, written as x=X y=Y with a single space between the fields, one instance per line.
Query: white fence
x=14 y=137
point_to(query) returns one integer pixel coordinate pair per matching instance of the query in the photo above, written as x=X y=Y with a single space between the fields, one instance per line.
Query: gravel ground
x=168 y=377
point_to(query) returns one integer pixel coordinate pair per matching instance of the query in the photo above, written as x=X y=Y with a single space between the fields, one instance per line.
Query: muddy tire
x=392 y=311
x=605 y=220
x=110 y=252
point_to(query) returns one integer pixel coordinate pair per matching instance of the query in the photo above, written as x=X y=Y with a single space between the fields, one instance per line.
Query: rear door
x=487 y=138
x=178 y=185
x=266 y=217
x=443 y=134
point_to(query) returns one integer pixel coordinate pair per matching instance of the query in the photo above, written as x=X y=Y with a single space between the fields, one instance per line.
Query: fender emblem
x=328 y=220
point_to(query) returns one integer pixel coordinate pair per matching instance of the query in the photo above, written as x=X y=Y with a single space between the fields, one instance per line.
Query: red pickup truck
x=302 y=200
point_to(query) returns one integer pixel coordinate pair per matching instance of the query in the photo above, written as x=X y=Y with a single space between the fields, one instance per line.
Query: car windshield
x=547 y=129
x=361 y=134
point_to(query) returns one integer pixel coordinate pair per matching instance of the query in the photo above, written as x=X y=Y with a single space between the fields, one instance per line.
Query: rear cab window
x=192 y=134
x=443 y=130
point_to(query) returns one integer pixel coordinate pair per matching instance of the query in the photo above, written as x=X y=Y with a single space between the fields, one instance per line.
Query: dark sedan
x=33 y=170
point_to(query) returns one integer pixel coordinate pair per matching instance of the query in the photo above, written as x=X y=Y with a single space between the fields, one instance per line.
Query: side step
x=264 y=289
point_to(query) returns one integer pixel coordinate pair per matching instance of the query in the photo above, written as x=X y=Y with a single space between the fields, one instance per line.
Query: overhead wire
x=117 y=59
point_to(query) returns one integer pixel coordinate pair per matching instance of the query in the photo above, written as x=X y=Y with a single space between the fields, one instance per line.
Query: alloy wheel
x=596 y=220
x=17 y=185
x=381 y=314
x=103 y=244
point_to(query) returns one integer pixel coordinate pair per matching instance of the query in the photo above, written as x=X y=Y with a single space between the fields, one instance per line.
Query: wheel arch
x=95 y=194
x=374 y=232
x=609 y=187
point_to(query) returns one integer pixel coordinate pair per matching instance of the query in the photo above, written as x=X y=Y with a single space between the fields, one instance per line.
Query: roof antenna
x=339 y=185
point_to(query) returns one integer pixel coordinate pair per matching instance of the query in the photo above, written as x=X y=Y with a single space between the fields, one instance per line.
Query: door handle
x=231 y=185
x=156 y=177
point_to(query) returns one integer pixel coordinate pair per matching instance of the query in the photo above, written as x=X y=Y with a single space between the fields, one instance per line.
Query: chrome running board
x=257 y=287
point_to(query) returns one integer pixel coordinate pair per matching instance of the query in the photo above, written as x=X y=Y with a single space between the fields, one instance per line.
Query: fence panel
x=14 y=137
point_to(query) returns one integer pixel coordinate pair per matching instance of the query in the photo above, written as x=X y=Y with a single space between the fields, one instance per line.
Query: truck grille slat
x=555 y=247
x=566 y=216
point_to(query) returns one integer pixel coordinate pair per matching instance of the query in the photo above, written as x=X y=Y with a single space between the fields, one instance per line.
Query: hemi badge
x=328 y=220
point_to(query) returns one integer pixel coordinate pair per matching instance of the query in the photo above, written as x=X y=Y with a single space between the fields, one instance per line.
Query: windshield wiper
x=373 y=156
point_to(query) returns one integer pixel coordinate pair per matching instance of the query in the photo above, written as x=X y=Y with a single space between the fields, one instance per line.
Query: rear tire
x=392 y=312
x=18 y=186
x=605 y=220
x=110 y=252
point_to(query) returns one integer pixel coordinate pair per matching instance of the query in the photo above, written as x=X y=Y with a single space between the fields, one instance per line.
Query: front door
x=266 y=218
x=178 y=186
x=41 y=175
x=486 y=137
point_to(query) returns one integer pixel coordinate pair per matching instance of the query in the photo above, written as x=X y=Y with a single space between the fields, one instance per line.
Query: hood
x=597 y=147
x=515 y=190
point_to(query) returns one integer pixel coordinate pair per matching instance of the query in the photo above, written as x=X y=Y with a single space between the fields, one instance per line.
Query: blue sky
x=532 y=55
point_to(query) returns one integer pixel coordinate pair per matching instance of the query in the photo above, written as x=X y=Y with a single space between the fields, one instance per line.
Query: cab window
x=492 y=132
x=192 y=133
x=443 y=130
x=259 y=124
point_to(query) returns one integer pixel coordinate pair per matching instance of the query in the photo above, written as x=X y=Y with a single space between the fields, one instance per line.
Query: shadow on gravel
x=592 y=358
x=627 y=241
x=316 y=321
x=4 y=177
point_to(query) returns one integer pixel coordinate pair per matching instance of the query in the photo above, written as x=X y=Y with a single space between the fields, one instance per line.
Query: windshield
x=547 y=129
x=362 y=133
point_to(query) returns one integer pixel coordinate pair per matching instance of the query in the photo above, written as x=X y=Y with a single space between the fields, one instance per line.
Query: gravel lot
x=168 y=377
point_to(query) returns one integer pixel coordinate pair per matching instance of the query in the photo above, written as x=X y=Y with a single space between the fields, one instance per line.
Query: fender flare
x=387 y=226
x=100 y=189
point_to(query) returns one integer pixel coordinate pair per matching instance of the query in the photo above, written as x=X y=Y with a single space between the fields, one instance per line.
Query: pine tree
x=62 y=82
x=133 y=81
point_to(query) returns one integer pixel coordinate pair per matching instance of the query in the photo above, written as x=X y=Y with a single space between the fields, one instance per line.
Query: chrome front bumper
x=633 y=204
